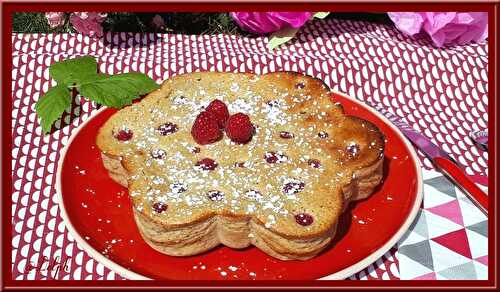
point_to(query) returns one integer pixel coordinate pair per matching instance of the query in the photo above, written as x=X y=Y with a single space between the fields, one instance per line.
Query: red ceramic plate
x=98 y=214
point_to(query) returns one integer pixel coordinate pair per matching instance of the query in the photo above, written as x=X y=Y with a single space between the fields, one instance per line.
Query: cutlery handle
x=457 y=175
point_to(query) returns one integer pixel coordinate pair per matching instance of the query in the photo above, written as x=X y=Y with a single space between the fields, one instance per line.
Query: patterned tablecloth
x=440 y=92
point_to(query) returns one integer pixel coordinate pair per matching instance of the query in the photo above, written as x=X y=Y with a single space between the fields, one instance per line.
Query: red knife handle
x=457 y=175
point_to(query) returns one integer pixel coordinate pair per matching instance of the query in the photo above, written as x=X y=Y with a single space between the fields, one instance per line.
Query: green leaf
x=89 y=78
x=320 y=15
x=117 y=90
x=113 y=91
x=68 y=72
x=50 y=107
x=284 y=35
x=281 y=36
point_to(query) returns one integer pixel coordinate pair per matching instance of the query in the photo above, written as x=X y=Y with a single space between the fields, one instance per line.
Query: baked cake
x=283 y=191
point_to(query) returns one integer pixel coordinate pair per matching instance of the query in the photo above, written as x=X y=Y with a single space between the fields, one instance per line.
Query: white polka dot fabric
x=440 y=92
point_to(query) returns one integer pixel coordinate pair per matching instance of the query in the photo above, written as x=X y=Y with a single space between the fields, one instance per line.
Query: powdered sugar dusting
x=270 y=177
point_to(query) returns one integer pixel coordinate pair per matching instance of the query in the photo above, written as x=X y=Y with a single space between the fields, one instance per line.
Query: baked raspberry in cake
x=240 y=159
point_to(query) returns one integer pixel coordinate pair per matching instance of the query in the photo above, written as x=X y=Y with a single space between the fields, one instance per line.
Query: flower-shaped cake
x=283 y=191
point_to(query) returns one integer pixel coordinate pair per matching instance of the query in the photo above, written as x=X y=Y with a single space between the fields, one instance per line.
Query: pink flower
x=55 y=19
x=265 y=22
x=444 y=27
x=157 y=22
x=88 y=23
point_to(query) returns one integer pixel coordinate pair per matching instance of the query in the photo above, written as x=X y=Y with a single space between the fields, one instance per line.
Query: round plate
x=98 y=214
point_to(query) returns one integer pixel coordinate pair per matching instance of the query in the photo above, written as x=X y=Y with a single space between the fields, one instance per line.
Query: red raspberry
x=207 y=164
x=205 y=129
x=239 y=128
x=124 y=135
x=219 y=110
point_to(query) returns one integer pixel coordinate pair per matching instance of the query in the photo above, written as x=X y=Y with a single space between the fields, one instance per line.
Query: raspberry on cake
x=239 y=128
x=206 y=129
x=297 y=162
x=219 y=110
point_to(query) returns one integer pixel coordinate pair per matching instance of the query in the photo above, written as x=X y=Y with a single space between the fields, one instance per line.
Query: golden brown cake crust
x=334 y=158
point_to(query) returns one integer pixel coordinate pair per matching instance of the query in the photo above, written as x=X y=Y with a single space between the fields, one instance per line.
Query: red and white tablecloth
x=440 y=92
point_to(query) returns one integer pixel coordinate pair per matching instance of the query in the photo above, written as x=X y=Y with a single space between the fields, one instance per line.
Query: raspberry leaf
x=117 y=90
x=81 y=73
x=50 y=106
x=69 y=72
